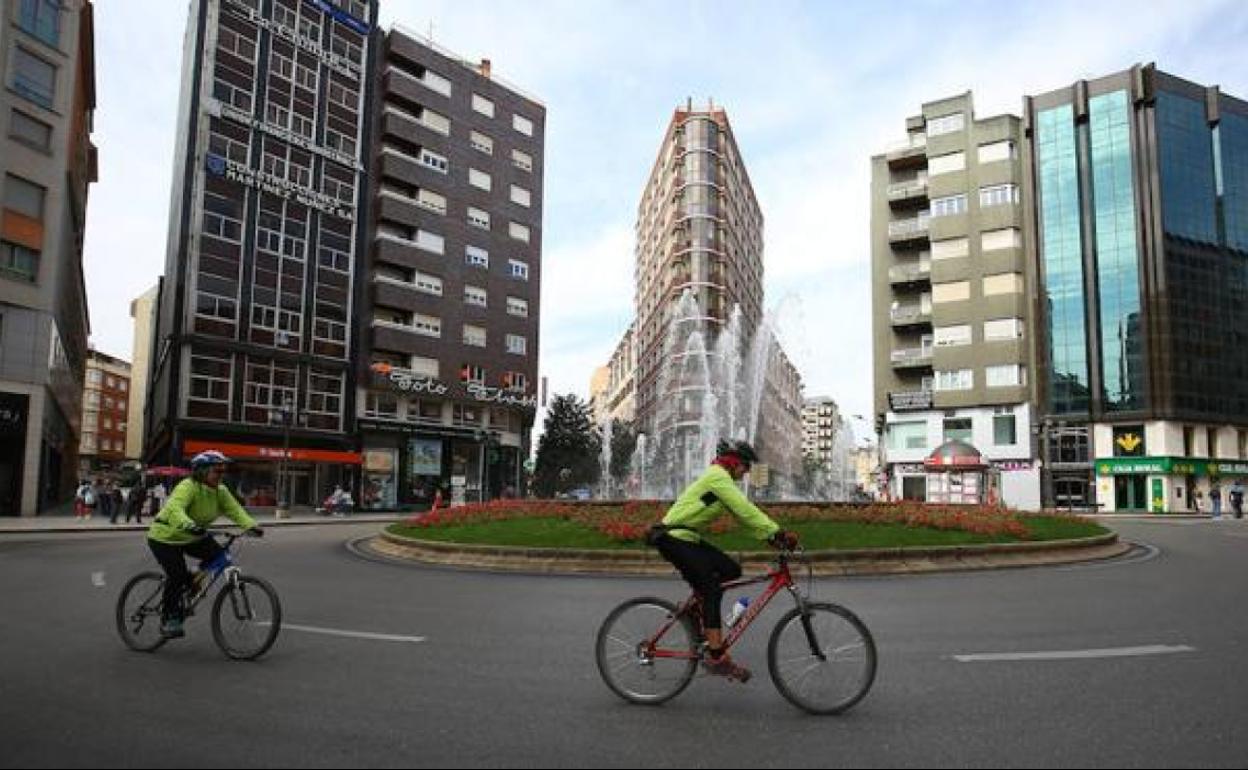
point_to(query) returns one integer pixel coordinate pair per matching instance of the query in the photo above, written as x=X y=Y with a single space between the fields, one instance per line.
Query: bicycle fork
x=238 y=595
x=807 y=626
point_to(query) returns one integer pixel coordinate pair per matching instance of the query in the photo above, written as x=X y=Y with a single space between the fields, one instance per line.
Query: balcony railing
x=910 y=314
x=909 y=357
x=910 y=400
x=908 y=229
x=908 y=189
x=910 y=273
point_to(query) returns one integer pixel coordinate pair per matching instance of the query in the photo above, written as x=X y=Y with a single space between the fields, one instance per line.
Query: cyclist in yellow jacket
x=679 y=539
x=181 y=528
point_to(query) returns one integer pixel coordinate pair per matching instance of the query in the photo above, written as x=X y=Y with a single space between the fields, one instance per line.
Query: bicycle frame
x=222 y=566
x=778 y=578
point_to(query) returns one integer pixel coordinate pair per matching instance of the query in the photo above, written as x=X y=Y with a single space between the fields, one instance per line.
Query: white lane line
x=1111 y=652
x=354 y=634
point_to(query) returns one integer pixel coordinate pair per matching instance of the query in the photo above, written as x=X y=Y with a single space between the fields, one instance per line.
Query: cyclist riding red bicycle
x=679 y=539
x=181 y=528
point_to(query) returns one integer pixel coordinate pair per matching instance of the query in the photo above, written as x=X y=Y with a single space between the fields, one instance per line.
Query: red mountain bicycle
x=820 y=656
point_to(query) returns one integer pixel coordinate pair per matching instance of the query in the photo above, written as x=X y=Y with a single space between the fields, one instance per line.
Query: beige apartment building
x=699 y=234
x=47 y=163
x=950 y=303
x=143 y=311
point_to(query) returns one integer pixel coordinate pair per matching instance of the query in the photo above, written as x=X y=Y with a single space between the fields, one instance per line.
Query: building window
x=990 y=153
x=430 y=242
x=475 y=295
x=482 y=105
x=944 y=164
x=522 y=124
x=435 y=121
x=517 y=307
x=428 y=199
x=998 y=195
x=33 y=78
x=515 y=381
x=474 y=335
x=1003 y=376
x=1003 y=329
x=481 y=142
x=428 y=284
x=18 y=262
x=518 y=231
x=949 y=206
x=1005 y=238
x=480 y=179
x=1189 y=441
x=1004 y=426
x=907 y=435
x=517 y=344
x=522 y=160
x=945 y=124
x=41 y=18
x=476 y=256
x=950 y=249
x=381 y=405
x=950 y=336
x=426 y=367
x=958 y=429
x=23 y=197
x=29 y=131
x=478 y=218
x=520 y=196
x=956 y=291
x=1004 y=283
x=517 y=269
x=472 y=373
x=427 y=325
x=957 y=379
x=432 y=160
x=210 y=379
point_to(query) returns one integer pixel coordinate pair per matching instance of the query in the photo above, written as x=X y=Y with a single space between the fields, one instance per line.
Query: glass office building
x=1140 y=190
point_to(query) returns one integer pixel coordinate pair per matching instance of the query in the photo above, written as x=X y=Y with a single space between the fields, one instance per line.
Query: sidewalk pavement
x=65 y=522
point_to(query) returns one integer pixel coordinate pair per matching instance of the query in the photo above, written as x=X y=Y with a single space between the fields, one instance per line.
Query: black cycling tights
x=704 y=567
x=172 y=559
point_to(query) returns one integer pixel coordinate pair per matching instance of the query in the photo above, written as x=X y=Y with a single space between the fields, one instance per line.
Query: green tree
x=623 y=444
x=567 y=453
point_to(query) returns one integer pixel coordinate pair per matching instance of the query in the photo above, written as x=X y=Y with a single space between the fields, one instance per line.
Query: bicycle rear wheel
x=246 y=617
x=830 y=684
x=139 y=610
x=645 y=653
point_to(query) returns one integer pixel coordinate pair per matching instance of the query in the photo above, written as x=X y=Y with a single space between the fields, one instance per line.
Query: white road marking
x=354 y=634
x=1112 y=652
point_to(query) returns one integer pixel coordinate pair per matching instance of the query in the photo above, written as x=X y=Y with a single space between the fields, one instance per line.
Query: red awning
x=257 y=452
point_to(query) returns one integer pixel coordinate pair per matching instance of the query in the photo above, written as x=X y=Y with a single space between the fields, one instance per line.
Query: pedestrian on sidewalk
x=1215 y=497
x=84 y=501
x=1237 y=499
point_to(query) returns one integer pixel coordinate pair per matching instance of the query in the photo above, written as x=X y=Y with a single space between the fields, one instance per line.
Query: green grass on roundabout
x=532 y=524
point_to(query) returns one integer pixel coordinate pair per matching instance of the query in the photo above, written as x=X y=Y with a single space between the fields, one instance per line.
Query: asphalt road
x=478 y=669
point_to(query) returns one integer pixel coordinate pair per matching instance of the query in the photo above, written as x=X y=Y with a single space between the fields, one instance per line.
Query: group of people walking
x=111 y=500
x=1234 y=496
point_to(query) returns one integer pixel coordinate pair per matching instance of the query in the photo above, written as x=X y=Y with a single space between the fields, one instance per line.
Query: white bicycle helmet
x=209 y=458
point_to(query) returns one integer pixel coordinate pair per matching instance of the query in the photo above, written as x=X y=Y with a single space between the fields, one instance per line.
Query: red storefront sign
x=254 y=452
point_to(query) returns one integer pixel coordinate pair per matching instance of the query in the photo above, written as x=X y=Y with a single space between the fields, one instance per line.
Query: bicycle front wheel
x=246 y=617
x=139 y=610
x=823 y=661
x=646 y=654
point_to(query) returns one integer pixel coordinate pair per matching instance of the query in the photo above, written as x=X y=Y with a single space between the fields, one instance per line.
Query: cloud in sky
x=812 y=90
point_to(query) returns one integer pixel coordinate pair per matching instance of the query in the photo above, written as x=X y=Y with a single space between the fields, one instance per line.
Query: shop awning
x=259 y=452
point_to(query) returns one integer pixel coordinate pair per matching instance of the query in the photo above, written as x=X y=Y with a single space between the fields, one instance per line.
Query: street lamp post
x=285 y=415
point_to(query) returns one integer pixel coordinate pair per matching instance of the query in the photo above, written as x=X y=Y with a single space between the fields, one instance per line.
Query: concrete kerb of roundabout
x=863 y=561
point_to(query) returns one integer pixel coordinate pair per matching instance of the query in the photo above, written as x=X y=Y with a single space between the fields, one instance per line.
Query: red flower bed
x=628 y=521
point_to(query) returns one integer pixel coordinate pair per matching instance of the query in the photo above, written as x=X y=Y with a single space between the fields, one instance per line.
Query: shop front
x=259 y=473
x=1164 y=484
x=408 y=467
x=957 y=474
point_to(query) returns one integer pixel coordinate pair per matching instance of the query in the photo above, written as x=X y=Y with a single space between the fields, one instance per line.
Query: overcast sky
x=812 y=90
